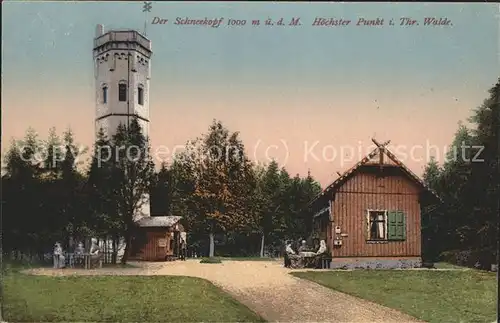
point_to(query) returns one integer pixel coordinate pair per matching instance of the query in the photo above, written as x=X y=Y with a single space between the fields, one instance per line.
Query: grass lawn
x=29 y=298
x=446 y=265
x=432 y=296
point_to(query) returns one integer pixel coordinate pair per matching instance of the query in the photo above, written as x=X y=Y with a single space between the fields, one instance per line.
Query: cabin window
x=122 y=92
x=377 y=225
x=140 y=95
x=105 y=94
x=386 y=225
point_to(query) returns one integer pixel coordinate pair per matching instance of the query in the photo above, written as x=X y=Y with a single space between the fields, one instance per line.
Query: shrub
x=478 y=258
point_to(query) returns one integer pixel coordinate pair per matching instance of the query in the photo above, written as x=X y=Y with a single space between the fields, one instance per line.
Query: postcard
x=258 y=161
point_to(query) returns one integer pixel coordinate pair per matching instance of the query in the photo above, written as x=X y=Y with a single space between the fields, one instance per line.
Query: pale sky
x=287 y=88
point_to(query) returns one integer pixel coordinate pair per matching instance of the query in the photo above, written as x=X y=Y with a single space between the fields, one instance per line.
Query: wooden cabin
x=157 y=238
x=370 y=216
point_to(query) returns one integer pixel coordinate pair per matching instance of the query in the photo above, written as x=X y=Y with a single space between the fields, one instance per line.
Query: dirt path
x=268 y=289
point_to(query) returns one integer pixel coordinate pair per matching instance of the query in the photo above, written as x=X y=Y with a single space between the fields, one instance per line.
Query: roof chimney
x=99 y=30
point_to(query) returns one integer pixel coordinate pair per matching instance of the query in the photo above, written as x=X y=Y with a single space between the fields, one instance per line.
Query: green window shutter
x=401 y=225
x=391 y=225
x=396 y=225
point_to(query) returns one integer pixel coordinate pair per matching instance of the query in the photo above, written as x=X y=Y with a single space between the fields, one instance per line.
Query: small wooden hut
x=370 y=217
x=157 y=238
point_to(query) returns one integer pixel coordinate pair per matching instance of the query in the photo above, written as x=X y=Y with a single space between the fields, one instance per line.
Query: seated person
x=79 y=251
x=322 y=248
x=319 y=254
x=95 y=253
x=294 y=260
x=303 y=246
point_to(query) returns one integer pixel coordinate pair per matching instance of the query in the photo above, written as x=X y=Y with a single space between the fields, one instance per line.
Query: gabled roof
x=381 y=149
x=158 y=221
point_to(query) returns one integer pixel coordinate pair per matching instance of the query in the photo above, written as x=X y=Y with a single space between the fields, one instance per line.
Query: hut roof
x=158 y=221
x=381 y=148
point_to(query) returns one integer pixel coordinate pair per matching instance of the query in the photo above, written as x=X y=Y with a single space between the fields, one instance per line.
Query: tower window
x=104 y=94
x=140 y=95
x=122 y=92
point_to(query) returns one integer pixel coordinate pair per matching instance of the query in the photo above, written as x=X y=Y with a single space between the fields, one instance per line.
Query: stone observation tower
x=122 y=70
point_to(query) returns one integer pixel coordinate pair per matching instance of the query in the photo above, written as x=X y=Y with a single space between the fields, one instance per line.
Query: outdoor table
x=309 y=258
x=78 y=259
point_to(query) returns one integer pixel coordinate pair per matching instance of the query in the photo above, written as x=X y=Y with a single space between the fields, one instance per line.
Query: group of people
x=294 y=260
x=95 y=254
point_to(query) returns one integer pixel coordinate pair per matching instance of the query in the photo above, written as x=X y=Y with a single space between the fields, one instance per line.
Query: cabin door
x=161 y=247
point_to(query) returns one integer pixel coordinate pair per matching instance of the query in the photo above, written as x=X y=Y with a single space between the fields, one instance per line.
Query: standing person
x=183 y=245
x=288 y=252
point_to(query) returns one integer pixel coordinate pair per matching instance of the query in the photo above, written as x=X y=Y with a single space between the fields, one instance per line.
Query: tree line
x=464 y=228
x=229 y=204
x=225 y=199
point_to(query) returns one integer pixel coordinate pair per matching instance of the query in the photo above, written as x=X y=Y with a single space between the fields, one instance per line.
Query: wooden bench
x=325 y=262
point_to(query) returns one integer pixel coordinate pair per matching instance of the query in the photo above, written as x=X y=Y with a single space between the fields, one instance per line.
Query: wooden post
x=379 y=144
x=381 y=151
